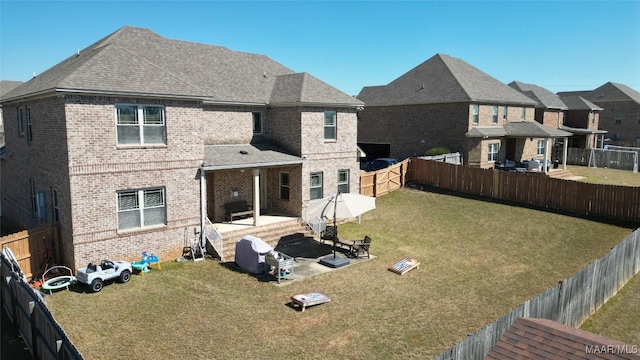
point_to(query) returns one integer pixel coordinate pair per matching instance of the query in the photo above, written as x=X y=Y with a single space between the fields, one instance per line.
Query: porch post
x=565 y=145
x=203 y=206
x=256 y=196
x=546 y=155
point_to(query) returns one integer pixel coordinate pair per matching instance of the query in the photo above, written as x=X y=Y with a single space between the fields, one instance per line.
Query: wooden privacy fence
x=34 y=248
x=570 y=302
x=532 y=189
x=24 y=305
x=384 y=181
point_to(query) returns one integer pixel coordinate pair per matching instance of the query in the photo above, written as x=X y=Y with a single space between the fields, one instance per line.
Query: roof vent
x=244 y=152
x=264 y=74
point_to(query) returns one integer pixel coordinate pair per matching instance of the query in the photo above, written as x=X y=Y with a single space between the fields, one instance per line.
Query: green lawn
x=479 y=260
x=605 y=176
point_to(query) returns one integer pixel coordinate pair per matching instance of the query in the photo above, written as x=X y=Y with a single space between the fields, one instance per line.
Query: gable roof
x=443 y=79
x=530 y=338
x=575 y=102
x=545 y=98
x=614 y=91
x=138 y=62
x=303 y=88
x=8 y=85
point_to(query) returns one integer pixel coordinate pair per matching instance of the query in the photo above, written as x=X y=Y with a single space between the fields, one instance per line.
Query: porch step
x=275 y=234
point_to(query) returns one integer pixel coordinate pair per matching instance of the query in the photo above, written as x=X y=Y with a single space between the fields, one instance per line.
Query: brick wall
x=629 y=130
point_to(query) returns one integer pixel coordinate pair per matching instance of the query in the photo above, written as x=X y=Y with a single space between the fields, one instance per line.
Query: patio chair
x=329 y=233
x=361 y=247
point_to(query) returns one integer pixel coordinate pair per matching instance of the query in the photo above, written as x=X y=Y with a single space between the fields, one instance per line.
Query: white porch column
x=565 y=144
x=545 y=167
x=256 y=196
x=203 y=207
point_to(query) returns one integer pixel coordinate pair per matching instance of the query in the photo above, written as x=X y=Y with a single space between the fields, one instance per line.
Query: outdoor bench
x=238 y=209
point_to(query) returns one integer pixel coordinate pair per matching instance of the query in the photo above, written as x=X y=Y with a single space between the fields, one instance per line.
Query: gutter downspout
x=565 y=146
x=203 y=206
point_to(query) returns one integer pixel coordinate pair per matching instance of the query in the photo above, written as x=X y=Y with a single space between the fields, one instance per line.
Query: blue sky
x=559 y=45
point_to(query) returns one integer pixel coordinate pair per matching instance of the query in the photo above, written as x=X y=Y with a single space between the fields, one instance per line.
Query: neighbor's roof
x=8 y=85
x=530 y=338
x=225 y=157
x=443 y=79
x=581 y=130
x=575 y=102
x=138 y=62
x=517 y=129
x=614 y=91
x=545 y=98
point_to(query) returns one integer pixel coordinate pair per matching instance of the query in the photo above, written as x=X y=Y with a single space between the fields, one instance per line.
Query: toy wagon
x=95 y=275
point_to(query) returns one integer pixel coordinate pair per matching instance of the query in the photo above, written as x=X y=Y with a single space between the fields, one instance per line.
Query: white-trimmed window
x=20 y=121
x=330 y=125
x=140 y=124
x=523 y=114
x=315 y=188
x=54 y=205
x=284 y=185
x=141 y=208
x=29 y=125
x=343 y=181
x=505 y=112
x=618 y=119
x=475 y=113
x=541 y=148
x=34 y=196
x=494 y=114
x=257 y=122
x=492 y=154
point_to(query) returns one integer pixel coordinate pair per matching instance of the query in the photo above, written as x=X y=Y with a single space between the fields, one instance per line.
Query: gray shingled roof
x=575 y=102
x=517 y=129
x=614 y=91
x=135 y=61
x=443 y=79
x=8 y=85
x=225 y=157
x=545 y=98
x=303 y=88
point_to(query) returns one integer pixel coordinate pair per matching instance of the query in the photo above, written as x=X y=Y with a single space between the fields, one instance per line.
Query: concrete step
x=560 y=173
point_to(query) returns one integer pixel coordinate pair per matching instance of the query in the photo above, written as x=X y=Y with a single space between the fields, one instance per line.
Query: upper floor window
x=141 y=208
x=492 y=154
x=257 y=122
x=54 y=205
x=475 y=113
x=494 y=114
x=343 y=181
x=139 y=125
x=315 y=188
x=618 y=119
x=284 y=185
x=29 y=125
x=20 y=121
x=592 y=115
x=541 y=147
x=329 y=125
x=34 y=196
x=505 y=111
x=523 y=116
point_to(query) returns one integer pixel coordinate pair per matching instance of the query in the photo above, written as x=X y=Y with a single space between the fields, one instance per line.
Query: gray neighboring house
x=135 y=140
x=446 y=102
x=5 y=87
x=620 y=113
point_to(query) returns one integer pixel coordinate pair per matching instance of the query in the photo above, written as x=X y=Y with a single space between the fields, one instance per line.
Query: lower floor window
x=141 y=208
x=540 y=147
x=493 y=152
x=343 y=181
x=316 y=186
x=284 y=185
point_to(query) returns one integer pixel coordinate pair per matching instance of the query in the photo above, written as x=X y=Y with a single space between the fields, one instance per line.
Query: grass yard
x=605 y=176
x=479 y=261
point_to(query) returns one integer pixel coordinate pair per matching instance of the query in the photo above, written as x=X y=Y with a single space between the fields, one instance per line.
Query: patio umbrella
x=340 y=206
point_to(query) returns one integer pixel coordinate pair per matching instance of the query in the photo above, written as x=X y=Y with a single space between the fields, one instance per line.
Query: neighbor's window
x=592 y=115
x=523 y=116
x=618 y=119
x=54 y=205
x=141 y=208
x=257 y=122
x=316 y=186
x=505 y=111
x=139 y=125
x=20 y=121
x=343 y=181
x=493 y=152
x=34 y=196
x=29 y=125
x=284 y=185
x=475 y=113
x=329 y=125
x=541 y=147
x=494 y=114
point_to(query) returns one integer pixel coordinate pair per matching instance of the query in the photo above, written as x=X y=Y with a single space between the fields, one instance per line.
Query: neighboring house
x=582 y=119
x=5 y=87
x=445 y=102
x=620 y=114
x=531 y=338
x=576 y=115
x=137 y=138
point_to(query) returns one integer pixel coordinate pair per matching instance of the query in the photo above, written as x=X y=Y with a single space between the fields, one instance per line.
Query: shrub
x=437 y=151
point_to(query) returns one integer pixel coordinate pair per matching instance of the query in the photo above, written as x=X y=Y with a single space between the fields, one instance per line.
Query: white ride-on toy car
x=95 y=275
